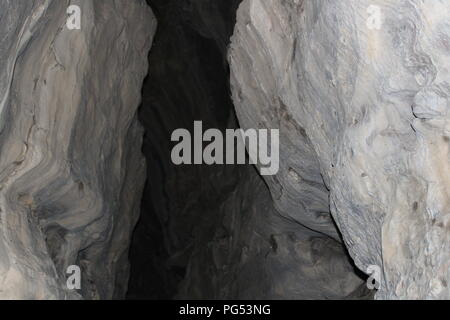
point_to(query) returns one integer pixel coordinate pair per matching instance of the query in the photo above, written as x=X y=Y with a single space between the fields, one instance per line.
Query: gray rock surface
x=71 y=170
x=364 y=120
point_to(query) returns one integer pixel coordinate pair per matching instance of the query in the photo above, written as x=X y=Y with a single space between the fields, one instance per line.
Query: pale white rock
x=364 y=120
x=71 y=170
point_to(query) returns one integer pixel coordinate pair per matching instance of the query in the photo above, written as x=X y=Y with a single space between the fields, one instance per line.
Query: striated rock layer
x=71 y=171
x=363 y=113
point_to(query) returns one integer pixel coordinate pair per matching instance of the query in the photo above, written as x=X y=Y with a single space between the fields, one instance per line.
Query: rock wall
x=363 y=114
x=71 y=170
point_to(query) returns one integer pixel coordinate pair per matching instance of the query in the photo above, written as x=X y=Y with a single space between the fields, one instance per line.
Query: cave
x=224 y=150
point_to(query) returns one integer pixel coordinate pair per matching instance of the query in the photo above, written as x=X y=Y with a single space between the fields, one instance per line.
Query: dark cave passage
x=188 y=81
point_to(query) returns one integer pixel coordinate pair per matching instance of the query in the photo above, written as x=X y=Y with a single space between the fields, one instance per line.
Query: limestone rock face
x=71 y=171
x=362 y=105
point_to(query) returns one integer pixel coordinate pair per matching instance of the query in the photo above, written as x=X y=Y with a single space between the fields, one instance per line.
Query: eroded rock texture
x=364 y=121
x=71 y=171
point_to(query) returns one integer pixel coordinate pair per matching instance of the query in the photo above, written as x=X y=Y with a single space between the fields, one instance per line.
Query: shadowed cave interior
x=197 y=221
